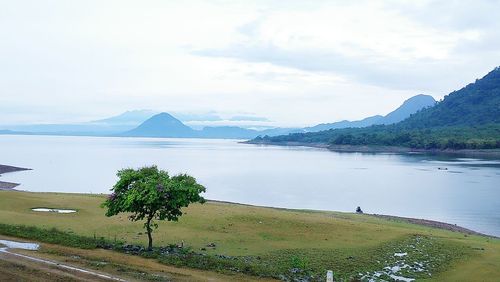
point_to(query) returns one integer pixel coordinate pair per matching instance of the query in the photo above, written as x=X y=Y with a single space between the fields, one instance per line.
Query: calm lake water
x=466 y=194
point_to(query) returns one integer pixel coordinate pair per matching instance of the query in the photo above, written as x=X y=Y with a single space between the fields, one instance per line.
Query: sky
x=279 y=63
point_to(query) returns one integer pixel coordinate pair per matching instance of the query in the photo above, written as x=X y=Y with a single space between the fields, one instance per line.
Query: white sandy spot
x=53 y=210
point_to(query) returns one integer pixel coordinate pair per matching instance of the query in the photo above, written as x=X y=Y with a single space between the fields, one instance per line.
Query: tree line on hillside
x=456 y=137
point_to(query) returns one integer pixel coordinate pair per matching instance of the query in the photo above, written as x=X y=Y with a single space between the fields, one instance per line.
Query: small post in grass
x=329 y=276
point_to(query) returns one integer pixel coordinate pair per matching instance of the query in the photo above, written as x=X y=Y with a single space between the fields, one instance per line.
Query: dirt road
x=59 y=263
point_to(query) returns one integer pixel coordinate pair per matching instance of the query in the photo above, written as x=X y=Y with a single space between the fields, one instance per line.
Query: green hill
x=476 y=104
x=468 y=118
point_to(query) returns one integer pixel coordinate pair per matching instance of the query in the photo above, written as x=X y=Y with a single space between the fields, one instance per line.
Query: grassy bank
x=262 y=241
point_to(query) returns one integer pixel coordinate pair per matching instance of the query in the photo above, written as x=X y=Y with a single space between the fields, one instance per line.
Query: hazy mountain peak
x=409 y=107
x=419 y=99
x=162 y=125
x=133 y=117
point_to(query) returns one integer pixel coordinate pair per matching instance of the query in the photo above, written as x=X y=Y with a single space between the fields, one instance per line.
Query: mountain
x=103 y=127
x=168 y=126
x=476 y=104
x=468 y=118
x=345 y=124
x=141 y=123
x=133 y=118
x=161 y=125
x=133 y=123
x=409 y=107
x=165 y=125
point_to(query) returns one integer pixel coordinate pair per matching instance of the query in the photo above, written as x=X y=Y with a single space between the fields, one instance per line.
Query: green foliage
x=52 y=235
x=151 y=194
x=289 y=264
x=466 y=119
x=436 y=254
x=299 y=262
x=451 y=137
x=476 y=104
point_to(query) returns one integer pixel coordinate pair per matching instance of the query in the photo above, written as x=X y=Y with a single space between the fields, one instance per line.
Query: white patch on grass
x=400 y=265
x=53 y=210
x=401 y=278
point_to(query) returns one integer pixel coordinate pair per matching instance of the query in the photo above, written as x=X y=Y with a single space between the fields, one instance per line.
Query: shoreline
x=417 y=221
x=433 y=224
x=7 y=169
x=412 y=220
x=373 y=149
x=9 y=186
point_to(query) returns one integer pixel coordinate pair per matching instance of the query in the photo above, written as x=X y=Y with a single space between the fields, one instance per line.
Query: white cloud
x=296 y=63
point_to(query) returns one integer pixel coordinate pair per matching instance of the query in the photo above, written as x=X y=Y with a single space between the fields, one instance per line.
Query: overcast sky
x=292 y=62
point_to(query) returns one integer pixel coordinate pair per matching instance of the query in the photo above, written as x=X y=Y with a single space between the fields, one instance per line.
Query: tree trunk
x=150 y=237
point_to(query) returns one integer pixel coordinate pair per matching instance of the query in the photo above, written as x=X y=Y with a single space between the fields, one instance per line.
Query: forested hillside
x=465 y=119
x=476 y=104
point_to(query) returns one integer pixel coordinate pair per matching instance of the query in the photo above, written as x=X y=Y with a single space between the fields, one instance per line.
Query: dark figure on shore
x=358 y=210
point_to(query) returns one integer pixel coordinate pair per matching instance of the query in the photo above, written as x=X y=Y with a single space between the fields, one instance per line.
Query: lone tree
x=151 y=194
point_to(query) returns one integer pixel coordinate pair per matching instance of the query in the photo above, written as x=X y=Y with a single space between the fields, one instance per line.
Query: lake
x=466 y=194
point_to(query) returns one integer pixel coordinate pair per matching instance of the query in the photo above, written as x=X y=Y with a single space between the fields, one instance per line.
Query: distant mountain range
x=147 y=123
x=105 y=127
x=132 y=118
x=468 y=118
x=165 y=125
x=409 y=107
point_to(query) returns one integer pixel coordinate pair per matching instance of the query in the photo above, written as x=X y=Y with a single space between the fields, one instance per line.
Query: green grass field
x=275 y=241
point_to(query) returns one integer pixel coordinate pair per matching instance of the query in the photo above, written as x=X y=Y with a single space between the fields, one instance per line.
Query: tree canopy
x=151 y=194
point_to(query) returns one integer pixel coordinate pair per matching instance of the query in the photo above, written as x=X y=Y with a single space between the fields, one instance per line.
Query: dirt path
x=59 y=263
x=13 y=264
x=17 y=267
